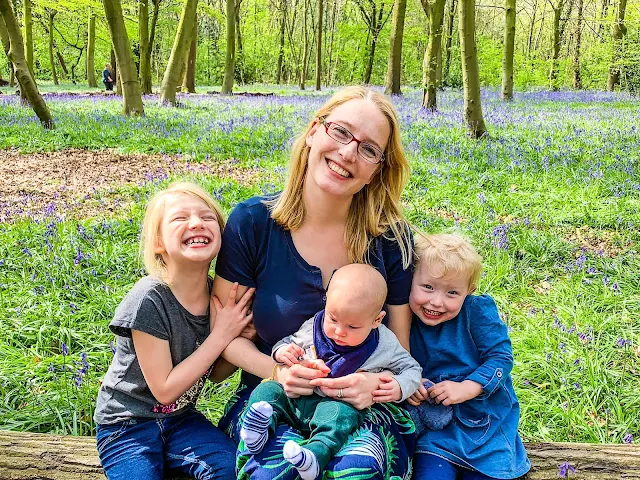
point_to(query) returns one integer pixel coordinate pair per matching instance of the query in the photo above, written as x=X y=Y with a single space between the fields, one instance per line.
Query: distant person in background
x=107 y=79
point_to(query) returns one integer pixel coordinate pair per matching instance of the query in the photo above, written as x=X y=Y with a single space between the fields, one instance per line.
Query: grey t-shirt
x=149 y=307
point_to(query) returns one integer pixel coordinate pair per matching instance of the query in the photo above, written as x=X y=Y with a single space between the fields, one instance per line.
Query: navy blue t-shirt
x=257 y=252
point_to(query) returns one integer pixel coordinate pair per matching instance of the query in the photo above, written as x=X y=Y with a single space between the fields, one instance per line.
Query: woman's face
x=338 y=169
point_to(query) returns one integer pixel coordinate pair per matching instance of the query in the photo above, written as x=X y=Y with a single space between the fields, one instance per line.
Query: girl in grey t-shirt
x=167 y=343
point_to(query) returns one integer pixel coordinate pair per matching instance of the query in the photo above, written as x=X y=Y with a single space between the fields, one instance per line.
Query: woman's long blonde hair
x=375 y=210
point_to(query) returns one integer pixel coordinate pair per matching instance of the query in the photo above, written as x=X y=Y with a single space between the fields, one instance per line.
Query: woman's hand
x=229 y=321
x=419 y=396
x=296 y=379
x=356 y=389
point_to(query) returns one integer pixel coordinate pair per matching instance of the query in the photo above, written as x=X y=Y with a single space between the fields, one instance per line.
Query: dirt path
x=80 y=183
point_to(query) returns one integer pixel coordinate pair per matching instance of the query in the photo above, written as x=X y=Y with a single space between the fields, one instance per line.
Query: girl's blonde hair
x=150 y=238
x=375 y=209
x=452 y=253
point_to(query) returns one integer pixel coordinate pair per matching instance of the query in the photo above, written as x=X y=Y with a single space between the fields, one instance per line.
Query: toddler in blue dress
x=464 y=348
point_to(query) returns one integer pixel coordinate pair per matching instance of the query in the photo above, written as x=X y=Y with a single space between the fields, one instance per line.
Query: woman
x=341 y=204
x=106 y=77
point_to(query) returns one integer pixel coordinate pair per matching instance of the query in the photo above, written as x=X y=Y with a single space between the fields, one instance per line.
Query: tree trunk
x=430 y=83
x=143 y=41
x=319 y=45
x=603 y=18
x=230 y=57
x=4 y=43
x=126 y=76
x=16 y=54
x=91 y=48
x=305 y=48
x=577 y=78
x=370 y=57
x=178 y=53
x=28 y=34
x=509 y=43
x=52 y=61
x=619 y=31
x=189 y=84
x=62 y=63
x=239 y=52
x=470 y=73
x=147 y=80
x=531 y=27
x=553 y=72
x=283 y=17
x=447 y=48
x=394 y=68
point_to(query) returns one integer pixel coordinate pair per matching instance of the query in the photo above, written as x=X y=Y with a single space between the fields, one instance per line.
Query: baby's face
x=436 y=299
x=348 y=325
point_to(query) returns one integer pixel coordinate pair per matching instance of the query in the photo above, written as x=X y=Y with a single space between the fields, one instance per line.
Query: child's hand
x=289 y=354
x=420 y=395
x=388 y=390
x=451 y=393
x=229 y=321
x=249 y=332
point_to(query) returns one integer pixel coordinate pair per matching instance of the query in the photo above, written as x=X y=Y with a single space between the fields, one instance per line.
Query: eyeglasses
x=340 y=134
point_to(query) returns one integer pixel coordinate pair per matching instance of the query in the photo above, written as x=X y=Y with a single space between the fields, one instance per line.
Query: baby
x=345 y=338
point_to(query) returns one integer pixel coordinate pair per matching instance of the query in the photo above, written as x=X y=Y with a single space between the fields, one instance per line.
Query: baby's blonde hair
x=150 y=237
x=452 y=253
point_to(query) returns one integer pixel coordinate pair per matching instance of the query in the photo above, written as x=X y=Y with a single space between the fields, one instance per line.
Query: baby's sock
x=303 y=459
x=255 y=428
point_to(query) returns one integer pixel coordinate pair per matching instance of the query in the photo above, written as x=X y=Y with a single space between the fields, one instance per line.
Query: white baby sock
x=303 y=459
x=255 y=428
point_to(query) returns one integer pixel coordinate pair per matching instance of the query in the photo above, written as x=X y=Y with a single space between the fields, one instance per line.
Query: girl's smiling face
x=189 y=231
x=435 y=298
x=336 y=168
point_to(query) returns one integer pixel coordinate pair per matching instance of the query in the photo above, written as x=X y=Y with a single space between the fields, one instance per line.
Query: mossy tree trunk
x=305 y=47
x=91 y=49
x=470 y=72
x=430 y=81
x=282 y=11
x=394 y=67
x=509 y=42
x=127 y=76
x=449 y=39
x=172 y=74
x=16 y=54
x=52 y=61
x=619 y=31
x=230 y=55
x=319 y=45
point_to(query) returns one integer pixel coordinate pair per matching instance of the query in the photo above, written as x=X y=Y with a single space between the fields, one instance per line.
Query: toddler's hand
x=451 y=393
x=317 y=364
x=388 y=390
x=289 y=354
x=420 y=395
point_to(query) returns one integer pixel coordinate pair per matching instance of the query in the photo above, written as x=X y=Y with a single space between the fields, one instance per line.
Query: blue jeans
x=145 y=449
x=432 y=467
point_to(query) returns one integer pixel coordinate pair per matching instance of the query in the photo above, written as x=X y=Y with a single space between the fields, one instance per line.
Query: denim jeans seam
x=192 y=460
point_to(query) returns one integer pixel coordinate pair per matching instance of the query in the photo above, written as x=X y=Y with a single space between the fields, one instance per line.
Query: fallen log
x=27 y=456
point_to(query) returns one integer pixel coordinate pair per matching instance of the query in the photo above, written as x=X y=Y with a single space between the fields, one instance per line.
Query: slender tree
x=557 y=35
x=619 y=31
x=577 y=77
x=449 y=38
x=394 y=68
x=230 y=56
x=91 y=48
x=470 y=72
x=143 y=42
x=16 y=53
x=509 y=44
x=282 y=12
x=430 y=82
x=181 y=43
x=239 y=47
x=28 y=33
x=375 y=17
x=319 y=45
x=54 y=75
x=127 y=77
x=305 y=47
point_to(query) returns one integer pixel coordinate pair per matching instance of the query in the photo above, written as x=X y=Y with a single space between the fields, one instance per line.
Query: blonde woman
x=341 y=204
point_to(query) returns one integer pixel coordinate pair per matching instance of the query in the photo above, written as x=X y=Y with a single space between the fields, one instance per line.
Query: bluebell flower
x=64 y=349
x=628 y=438
x=564 y=469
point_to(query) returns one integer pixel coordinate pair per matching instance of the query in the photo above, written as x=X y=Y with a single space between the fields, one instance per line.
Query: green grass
x=551 y=201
